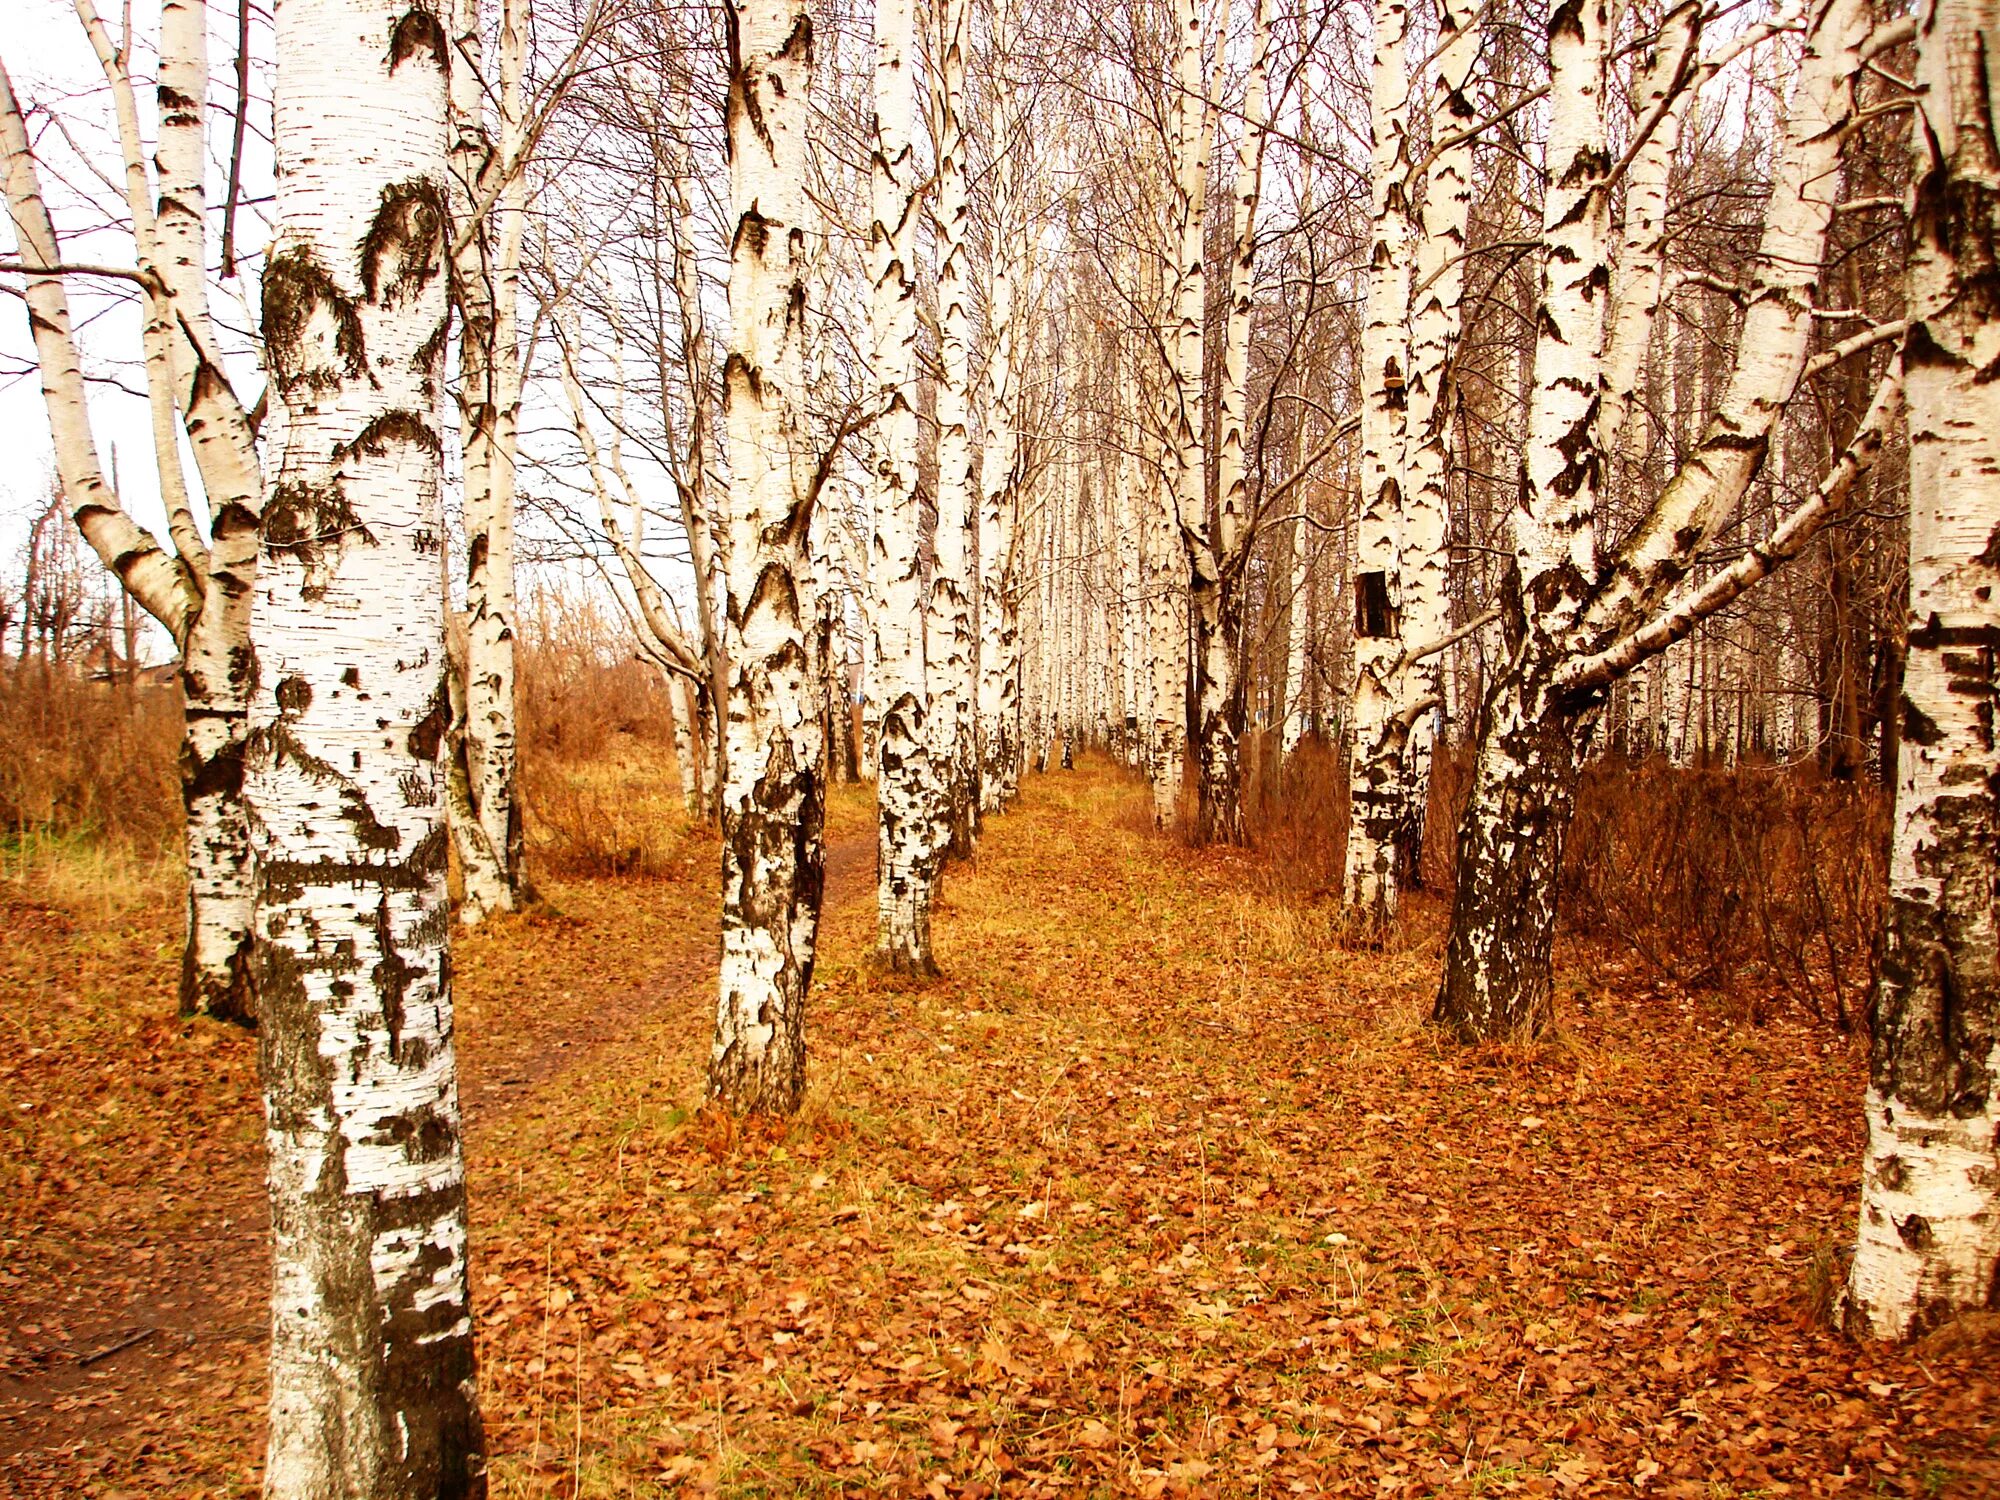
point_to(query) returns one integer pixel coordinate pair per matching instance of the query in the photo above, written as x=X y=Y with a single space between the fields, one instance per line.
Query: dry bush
x=579 y=683
x=599 y=782
x=1756 y=882
x=88 y=761
x=1297 y=816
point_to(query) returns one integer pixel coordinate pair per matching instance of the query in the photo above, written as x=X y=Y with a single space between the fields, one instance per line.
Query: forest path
x=136 y=1280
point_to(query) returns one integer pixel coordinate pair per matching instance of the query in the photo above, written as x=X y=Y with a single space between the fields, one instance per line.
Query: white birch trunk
x=371 y=1368
x=1377 y=796
x=999 y=629
x=1215 y=552
x=485 y=280
x=773 y=792
x=1496 y=978
x=1929 y=1243
x=952 y=682
x=909 y=778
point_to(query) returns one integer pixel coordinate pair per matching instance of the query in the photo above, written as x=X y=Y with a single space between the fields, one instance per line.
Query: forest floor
x=1157 y=1191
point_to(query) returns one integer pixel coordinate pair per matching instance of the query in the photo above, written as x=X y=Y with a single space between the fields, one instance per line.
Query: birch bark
x=485 y=286
x=1376 y=791
x=952 y=678
x=1496 y=978
x=909 y=778
x=773 y=791
x=372 y=1366
x=1929 y=1243
x=1217 y=554
x=999 y=666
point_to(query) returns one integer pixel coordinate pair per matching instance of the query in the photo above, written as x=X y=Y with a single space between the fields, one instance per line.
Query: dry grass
x=85 y=763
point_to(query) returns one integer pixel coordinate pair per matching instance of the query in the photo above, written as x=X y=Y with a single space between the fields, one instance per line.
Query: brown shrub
x=600 y=787
x=83 y=760
x=1297 y=816
x=579 y=684
x=1762 y=882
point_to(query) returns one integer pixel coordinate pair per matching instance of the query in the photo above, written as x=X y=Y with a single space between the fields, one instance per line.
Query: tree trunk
x=485 y=275
x=1377 y=792
x=372 y=1365
x=774 y=790
x=1497 y=980
x=954 y=681
x=1930 y=1196
x=215 y=959
x=910 y=780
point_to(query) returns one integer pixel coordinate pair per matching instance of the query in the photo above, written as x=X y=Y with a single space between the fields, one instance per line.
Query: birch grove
x=1438 y=463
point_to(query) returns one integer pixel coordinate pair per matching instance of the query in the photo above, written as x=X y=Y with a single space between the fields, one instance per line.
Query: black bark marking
x=295 y=287
x=428 y=732
x=392 y=427
x=418 y=31
x=404 y=246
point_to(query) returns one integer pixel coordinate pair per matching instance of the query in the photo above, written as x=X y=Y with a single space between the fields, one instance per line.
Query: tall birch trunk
x=1929 y=1243
x=999 y=630
x=952 y=679
x=1217 y=556
x=1496 y=979
x=485 y=280
x=773 y=791
x=909 y=779
x=1376 y=789
x=371 y=1369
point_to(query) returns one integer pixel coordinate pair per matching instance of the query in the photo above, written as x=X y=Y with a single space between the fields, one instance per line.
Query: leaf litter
x=1158 y=1191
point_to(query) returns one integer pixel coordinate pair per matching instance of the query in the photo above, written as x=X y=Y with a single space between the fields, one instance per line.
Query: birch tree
x=371 y=1368
x=1929 y=1243
x=952 y=684
x=200 y=591
x=1576 y=617
x=774 y=793
x=1376 y=785
x=1218 y=548
x=999 y=690
x=909 y=784
x=488 y=206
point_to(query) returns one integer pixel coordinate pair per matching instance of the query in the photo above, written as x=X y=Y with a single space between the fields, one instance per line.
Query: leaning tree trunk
x=371 y=1369
x=200 y=594
x=1930 y=1196
x=774 y=789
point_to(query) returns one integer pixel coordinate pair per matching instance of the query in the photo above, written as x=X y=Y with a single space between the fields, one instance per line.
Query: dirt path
x=133 y=1295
